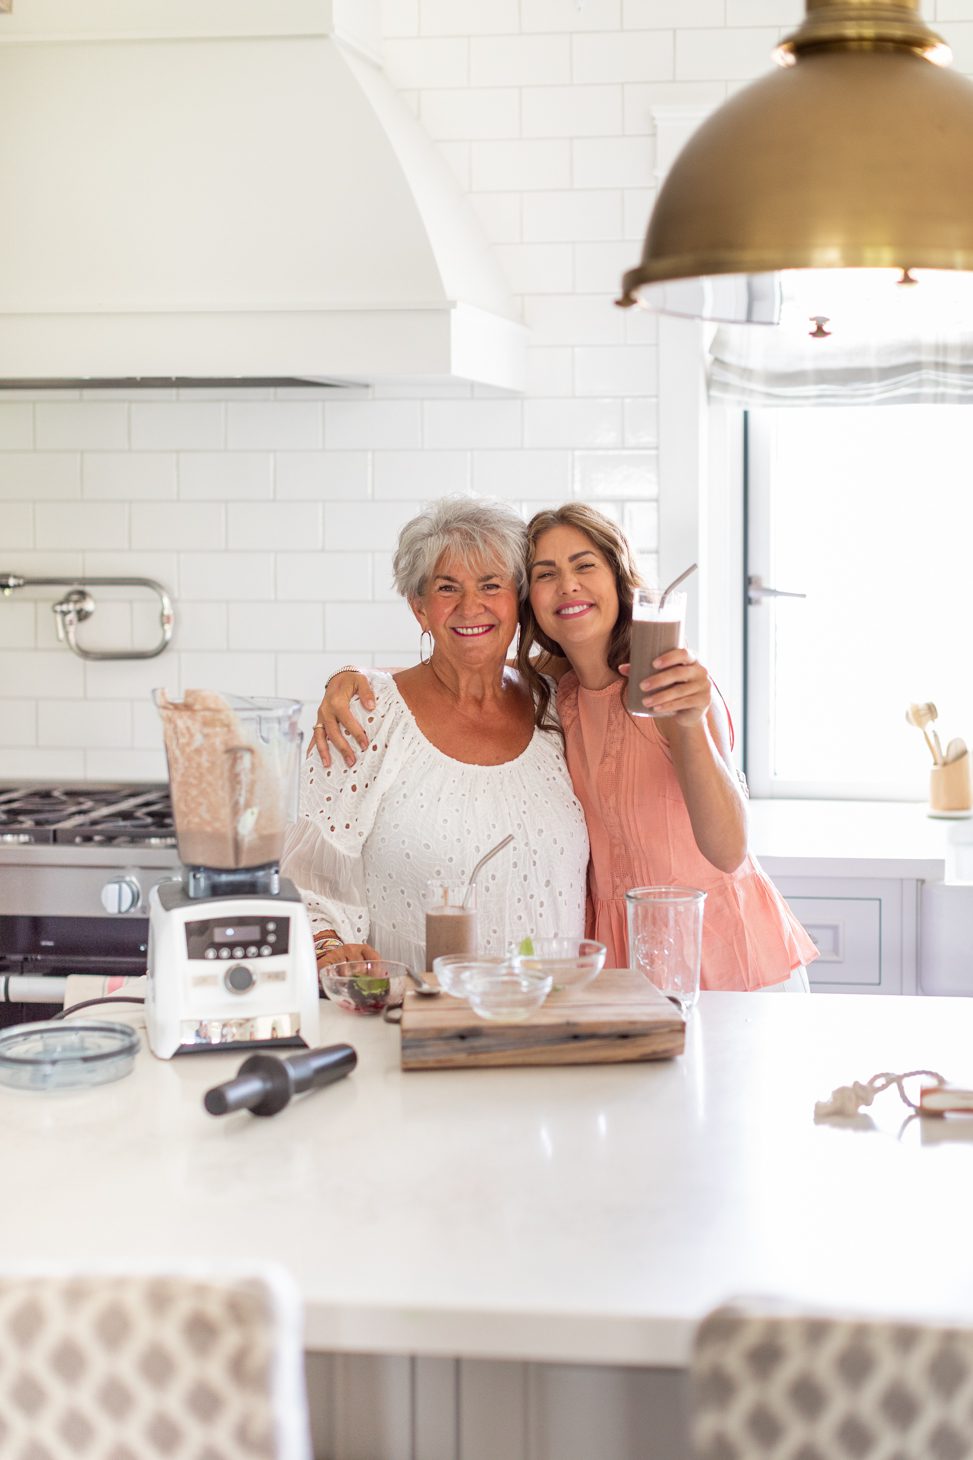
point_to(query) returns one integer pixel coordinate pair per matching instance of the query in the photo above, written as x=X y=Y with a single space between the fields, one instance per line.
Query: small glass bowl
x=60 y=1056
x=450 y=969
x=503 y=992
x=364 y=985
x=572 y=963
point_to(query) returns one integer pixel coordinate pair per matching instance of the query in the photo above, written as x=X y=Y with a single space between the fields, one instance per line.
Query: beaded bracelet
x=345 y=669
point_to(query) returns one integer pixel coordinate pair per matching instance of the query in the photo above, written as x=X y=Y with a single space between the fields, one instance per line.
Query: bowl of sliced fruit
x=364 y=985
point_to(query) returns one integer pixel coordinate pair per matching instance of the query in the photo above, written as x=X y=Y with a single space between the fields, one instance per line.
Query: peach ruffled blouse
x=641 y=835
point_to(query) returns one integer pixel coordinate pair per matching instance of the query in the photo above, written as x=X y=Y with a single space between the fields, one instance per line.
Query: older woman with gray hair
x=455 y=762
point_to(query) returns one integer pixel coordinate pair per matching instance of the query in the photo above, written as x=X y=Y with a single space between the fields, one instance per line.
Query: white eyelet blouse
x=369 y=837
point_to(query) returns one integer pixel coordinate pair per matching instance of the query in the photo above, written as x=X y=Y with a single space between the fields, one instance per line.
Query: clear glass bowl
x=365 y=985
x=571 y=962
x=450 y=969
x=58 y=1056
x=504 y=993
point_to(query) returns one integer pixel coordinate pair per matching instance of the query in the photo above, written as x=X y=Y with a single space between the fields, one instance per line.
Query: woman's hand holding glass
x=679 y=687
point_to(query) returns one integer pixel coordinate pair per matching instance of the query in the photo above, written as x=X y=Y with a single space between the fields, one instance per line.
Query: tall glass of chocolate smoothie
x=656 y=628
x=450 y=919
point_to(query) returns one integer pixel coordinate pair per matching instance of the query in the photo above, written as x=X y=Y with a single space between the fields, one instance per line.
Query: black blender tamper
x=264 y=1083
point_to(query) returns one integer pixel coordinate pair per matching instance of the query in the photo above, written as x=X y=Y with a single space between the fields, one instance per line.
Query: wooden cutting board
x=617 y=1019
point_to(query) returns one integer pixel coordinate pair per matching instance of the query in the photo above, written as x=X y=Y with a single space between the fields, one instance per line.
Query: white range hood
x=230 y=189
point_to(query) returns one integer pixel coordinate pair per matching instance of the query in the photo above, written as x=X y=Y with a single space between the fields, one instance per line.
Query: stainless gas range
x=77 y=864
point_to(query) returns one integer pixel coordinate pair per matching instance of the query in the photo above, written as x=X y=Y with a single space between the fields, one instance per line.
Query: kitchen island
x=528 y=1241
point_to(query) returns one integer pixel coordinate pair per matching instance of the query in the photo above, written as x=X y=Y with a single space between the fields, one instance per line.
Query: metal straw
x=482 y=863
x=675 y=584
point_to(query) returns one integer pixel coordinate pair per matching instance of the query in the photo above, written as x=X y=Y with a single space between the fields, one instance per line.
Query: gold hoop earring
x=425 y=660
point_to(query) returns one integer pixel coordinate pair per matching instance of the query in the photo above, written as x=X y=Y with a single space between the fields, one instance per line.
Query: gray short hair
x=479 y=530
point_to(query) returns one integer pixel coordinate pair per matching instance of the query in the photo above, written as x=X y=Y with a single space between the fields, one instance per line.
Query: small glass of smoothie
x=450 y=919
x=656 y=628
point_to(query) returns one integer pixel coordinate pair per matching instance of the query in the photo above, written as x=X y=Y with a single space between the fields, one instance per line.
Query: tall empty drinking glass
x=657 y=627
x=665 y=939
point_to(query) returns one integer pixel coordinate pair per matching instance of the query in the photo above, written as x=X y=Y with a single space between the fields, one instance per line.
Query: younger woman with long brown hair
x=662 y=801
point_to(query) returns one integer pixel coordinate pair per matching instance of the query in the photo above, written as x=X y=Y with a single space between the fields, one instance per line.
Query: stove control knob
x=121 y=895
x=239 y=978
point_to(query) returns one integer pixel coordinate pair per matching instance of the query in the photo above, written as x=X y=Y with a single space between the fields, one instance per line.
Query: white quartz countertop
x=589 y=1214
x=856 y=839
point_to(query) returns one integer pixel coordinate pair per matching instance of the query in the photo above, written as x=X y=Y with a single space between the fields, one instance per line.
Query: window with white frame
x=868 y=513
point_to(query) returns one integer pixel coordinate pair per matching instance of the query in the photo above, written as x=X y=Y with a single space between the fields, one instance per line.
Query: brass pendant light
x=856 y=154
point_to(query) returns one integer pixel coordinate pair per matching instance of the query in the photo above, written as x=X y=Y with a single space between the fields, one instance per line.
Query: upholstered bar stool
x=133 y=1367
x=776 y=1385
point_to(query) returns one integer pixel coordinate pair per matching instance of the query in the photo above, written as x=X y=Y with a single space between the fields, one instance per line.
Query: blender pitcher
x=234 y=766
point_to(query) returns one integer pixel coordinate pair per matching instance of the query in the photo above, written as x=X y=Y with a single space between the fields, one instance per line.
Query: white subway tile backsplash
x=235 y=674
x=571 y=111
x=108 y=628
x=468 y=17
x=555 y=15
x=127 y=564
x=423 y=64
x=372 y=425
x=182 y=526
x=791 y=12
x=614 y=162
x=526 y=60
x=87 y=425
x=82 y=524
x=640 y=521
x=132 y=679
x=727 y=54
x=572 y=423
x=277 y=526
x=641 y=422
x=225 y=476
x=537 y=268
x=460 y=115
x=226 y=575
x=499 y=215
x=319 y=476
x=146 y=726
x=598 y=267
x=28 y=476
x=17 y=621
x=30 y=764
x=638 y=205
x=572 y=216
x=400 y=17
x=184 y=425
x=273 y=425
x=17 y=524
x=391 y=624
x=616 y=370
x=268 y=625
x=124 y=765
x=369 y=525
x=35 y=675
x=500 y=166
x=317 y=577
x=616 y=474
x=16 y=426
x=629 y=56
x=128 y=476
x=198 y=625
x=550 y=370
x=302 y=676
x=18 y=726
x=473 y=423
x=660 y=14
x=107 y=723
x=456 y=156
x=640 y=98
x=420 y=475
x=574 y=319
x=523 y=475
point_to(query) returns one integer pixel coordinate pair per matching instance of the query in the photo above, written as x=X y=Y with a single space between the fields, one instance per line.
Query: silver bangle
x=345 y=669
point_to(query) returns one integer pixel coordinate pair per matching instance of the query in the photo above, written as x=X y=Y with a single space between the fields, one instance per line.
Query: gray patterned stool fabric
x=139 y=1367
x=771 y=1385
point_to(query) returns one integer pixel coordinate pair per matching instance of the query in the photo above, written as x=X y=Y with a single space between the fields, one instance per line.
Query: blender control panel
x=221 y=940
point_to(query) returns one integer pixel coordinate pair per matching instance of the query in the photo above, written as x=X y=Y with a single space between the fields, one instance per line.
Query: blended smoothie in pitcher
x=654 y=631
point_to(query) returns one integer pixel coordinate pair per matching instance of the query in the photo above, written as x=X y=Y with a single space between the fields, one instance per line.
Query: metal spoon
x=482 y=863
x=675 y=584
x=423 y=986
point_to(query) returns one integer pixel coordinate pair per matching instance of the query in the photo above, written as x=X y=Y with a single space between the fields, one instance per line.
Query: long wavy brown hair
x=608 y=537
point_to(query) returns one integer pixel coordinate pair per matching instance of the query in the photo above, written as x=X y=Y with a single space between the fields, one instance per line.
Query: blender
x=231 y=961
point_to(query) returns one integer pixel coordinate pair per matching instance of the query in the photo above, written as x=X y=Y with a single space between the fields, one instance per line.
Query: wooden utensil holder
x=950 y=788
